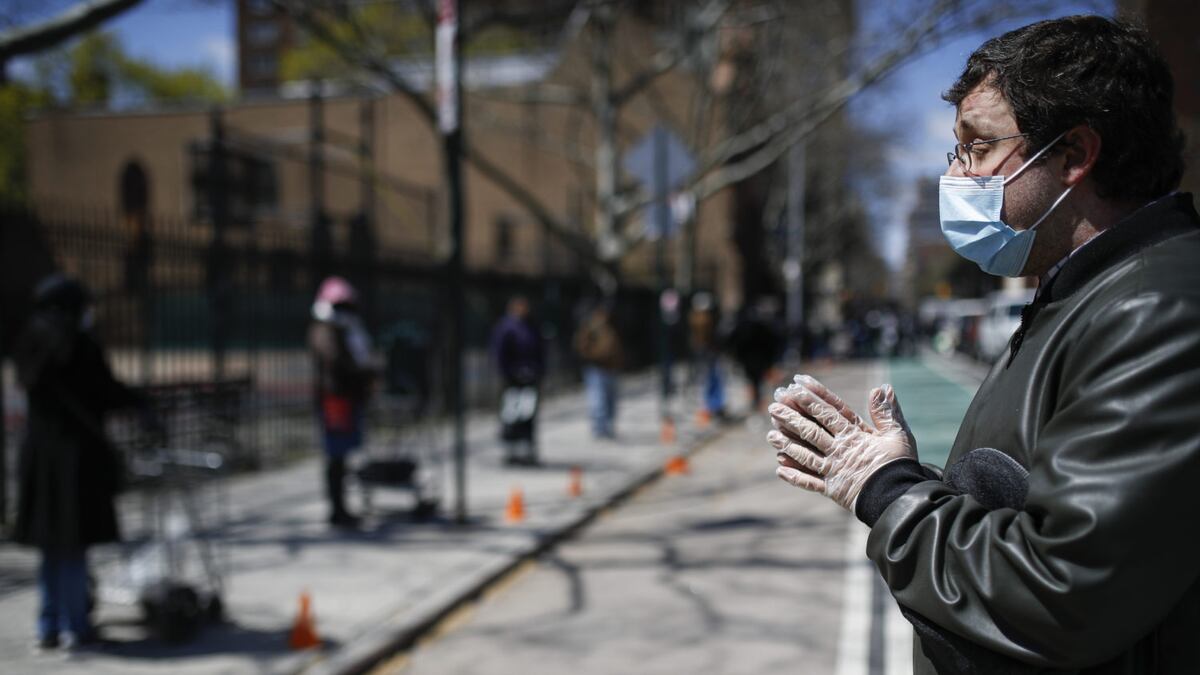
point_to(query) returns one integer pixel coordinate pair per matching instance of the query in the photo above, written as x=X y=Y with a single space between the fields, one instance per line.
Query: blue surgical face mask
x=969 y=208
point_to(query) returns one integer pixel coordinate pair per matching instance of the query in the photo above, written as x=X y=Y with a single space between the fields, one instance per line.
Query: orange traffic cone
x=575 y=487
x=677 y=465
x=304 y=630
x=703 y=417
x=666 y=435
x=515 y=512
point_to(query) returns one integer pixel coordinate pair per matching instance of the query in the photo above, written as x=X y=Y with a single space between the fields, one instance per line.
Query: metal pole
x=219 y=211
x=3 y=437
x=321 y=239
x=793 y=266
x=364 y=239
x=662 y=216
x=449 y=71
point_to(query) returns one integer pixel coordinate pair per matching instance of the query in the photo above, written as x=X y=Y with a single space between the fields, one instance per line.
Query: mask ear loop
x=1033 y=159
x=1052 y=207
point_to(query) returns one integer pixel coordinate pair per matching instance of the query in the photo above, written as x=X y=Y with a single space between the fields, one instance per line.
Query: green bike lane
x=934 y=394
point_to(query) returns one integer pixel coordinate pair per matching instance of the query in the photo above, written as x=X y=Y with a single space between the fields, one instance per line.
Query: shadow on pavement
x=223 y=639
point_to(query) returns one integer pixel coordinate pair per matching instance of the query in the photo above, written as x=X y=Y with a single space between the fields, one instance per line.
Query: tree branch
x=506 y=17
x=541 y=94
x=668 y=59
x=568 y=151
x=72 y=21
x=771 y=138
x=306 y=18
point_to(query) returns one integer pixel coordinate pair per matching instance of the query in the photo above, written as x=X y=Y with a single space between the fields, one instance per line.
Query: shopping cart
x=171 y=563
x=404 y=451
x=405 y=446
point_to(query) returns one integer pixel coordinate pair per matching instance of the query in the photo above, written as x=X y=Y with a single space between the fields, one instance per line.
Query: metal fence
x=218 y=326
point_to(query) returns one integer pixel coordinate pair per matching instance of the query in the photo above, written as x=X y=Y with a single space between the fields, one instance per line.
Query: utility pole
x=662 y=219
x=793 y=265
x=3 y=437
x=218 y=264
x=449 y=91
x=320 y=237
x=363 y=228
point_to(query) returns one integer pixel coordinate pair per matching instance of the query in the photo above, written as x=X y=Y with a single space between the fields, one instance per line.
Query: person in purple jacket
x=519 y=355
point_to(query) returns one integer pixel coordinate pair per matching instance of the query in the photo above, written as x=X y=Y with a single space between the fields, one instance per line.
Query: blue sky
x=176 y=33
x=182 y=33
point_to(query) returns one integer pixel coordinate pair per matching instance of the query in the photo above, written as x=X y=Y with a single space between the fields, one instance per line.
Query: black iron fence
x=217 y=327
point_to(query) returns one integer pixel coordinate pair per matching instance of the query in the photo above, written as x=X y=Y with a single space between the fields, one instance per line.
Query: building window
x=262 y=33
x=260 y=7
x=504 y=238
x=263 y=66
x=252 y=190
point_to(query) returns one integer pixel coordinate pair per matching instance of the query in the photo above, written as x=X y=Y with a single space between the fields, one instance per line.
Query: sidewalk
x=376 y=589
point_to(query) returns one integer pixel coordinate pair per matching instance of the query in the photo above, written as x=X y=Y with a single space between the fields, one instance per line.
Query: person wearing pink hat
x=344 y=373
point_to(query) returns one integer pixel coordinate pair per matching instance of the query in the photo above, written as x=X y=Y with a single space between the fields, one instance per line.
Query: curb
x=400 y=632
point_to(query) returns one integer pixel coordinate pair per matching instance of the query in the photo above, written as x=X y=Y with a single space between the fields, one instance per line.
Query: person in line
x=519 y=354
x=756 y=346
x=1060 y=536
x=69 y=471
x=702 y=332
x=345 y=374
x=599 y=347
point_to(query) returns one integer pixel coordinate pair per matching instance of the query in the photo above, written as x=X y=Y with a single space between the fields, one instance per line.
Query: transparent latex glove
x=823 y=446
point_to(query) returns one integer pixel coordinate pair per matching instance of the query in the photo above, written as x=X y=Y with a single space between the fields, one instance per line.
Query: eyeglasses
x=963 y=151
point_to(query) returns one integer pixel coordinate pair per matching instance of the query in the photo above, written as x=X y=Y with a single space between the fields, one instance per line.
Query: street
x=725 y=570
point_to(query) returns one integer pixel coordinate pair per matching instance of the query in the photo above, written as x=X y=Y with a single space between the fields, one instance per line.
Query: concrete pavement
x=376 y=590
x=371 y=590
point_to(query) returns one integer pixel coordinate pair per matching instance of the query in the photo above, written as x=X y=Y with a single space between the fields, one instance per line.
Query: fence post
x=321 y=241
x=363 y=228
x=218 y=281
x=3 y=440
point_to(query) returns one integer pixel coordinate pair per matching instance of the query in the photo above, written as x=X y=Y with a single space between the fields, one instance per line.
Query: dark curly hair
x=1103 y=73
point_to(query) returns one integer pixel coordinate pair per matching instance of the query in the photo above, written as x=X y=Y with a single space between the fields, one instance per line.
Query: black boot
x=335 y=489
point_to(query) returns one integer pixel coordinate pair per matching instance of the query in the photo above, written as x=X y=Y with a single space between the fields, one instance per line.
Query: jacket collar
x=1154 y=223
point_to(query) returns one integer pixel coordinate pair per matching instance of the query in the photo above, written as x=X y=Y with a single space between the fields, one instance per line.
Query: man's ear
x=1081 y=151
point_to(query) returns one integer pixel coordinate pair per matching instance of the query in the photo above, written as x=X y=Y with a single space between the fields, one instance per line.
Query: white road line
x=897 y=632
x=854 y=638
x=898 y=641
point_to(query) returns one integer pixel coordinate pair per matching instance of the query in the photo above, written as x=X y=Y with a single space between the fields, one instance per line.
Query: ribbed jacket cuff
x=886 y=485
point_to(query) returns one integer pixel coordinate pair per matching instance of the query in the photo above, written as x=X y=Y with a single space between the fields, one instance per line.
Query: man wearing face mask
x=1059 y=538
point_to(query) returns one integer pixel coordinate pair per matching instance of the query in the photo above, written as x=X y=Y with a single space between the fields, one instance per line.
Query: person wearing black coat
x=755 y=344
x=69 y=472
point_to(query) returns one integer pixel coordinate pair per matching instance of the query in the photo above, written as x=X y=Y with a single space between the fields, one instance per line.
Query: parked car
x=952 y=324
x=1001 y=321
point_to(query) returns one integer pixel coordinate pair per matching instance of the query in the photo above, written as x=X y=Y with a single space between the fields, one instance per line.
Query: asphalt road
x=723 y=570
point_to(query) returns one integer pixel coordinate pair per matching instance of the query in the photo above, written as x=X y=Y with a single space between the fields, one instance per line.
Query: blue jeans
x=714 y=386
x=63 y=585
x=601 y=387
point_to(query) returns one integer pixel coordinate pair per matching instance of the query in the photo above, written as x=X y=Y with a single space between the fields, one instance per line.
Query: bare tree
x=72 y=21
x=742 y=151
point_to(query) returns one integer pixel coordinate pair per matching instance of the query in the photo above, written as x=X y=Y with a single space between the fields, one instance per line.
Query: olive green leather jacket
x=1083 y=555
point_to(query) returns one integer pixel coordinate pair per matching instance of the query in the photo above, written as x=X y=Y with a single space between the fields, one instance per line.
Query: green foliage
x=93 y=72
x=16 y=100
x=94 y=62
x=179 y=84
x=386 y=31
x=383 y=29
x=99 y=73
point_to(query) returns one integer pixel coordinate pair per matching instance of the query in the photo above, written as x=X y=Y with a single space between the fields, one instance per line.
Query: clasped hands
x=824 y=446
